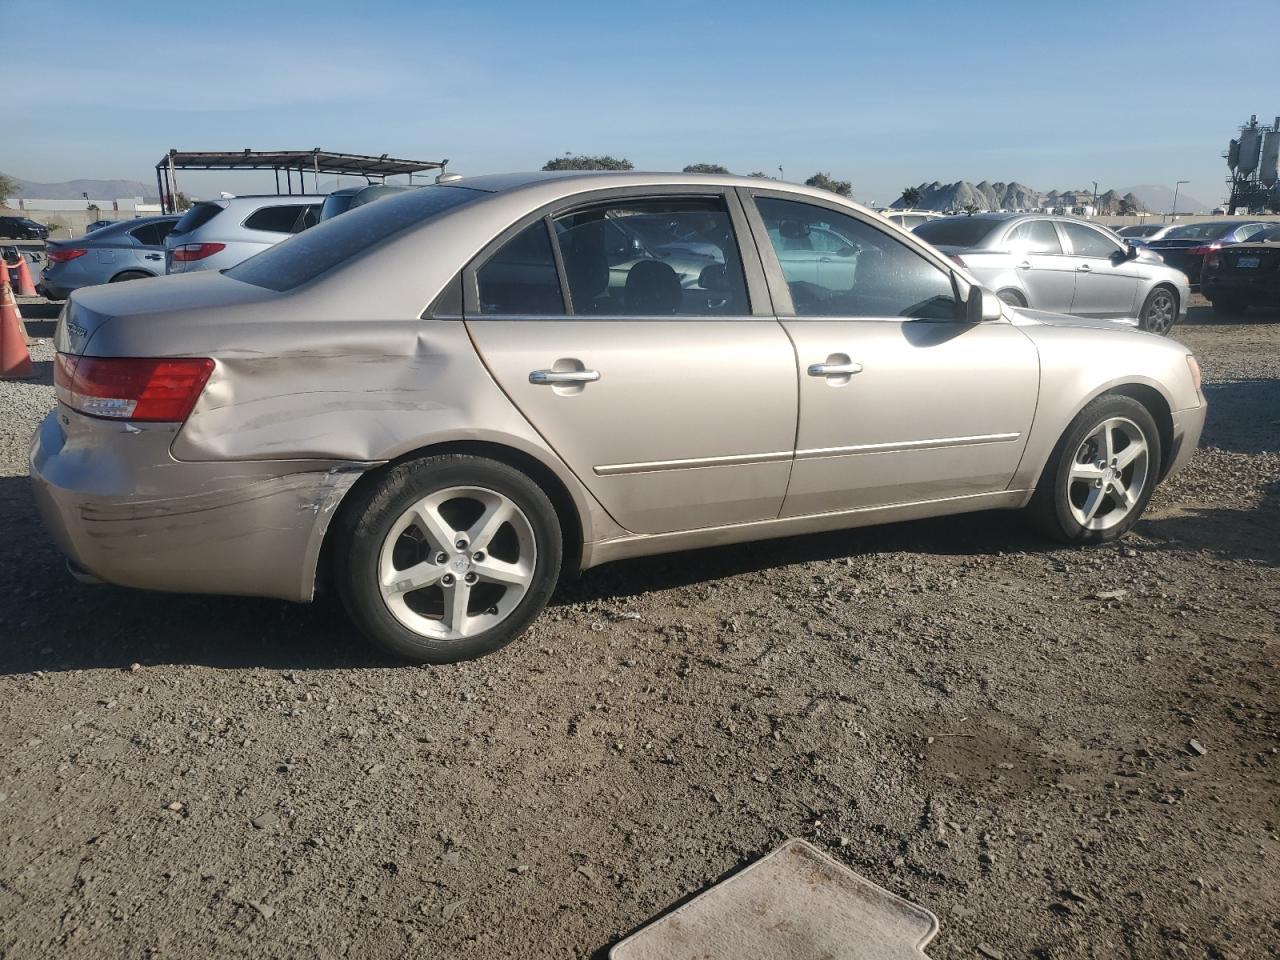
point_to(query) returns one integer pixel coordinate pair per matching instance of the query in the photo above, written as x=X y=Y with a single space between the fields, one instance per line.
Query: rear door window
x=151 y=234
x=521 y=278
x=653 y=257
x=1034 y=236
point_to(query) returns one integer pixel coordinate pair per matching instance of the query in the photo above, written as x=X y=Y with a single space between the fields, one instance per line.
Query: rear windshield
x=1200 y=231
x=309 y=254
x=956 y=231
x=197 y=216
x=336 y=203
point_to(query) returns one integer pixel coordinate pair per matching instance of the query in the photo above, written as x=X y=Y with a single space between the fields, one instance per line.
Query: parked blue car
x=127 y=250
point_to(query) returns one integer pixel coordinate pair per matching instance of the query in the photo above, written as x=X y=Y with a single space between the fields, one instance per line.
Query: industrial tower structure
x=1252 y=159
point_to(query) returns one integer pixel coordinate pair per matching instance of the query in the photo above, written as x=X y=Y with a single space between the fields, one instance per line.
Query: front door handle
x=1025 y=265
x=834 y=369
x=553 y=377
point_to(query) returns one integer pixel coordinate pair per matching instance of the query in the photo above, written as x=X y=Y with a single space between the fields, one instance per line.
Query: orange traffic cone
x=25 y=287
x=15 y=358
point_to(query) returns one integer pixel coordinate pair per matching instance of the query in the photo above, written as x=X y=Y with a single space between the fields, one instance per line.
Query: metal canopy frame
x=299 y=162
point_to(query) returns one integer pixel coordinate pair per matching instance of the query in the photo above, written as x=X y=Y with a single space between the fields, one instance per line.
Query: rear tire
x=129 y=275
x=1013 y=297
x=1101 y=474
x=1229 y=306
x=426 y=576
x=1159 y=311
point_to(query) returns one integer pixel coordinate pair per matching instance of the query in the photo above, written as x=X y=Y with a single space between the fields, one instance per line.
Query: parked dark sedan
x=22 y=228
x=1244 y=275
x=1185 y=247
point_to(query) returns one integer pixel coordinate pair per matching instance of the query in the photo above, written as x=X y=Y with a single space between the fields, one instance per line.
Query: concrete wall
x=71 y=222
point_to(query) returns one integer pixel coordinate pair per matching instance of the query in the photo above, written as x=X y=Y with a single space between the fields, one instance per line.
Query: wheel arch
x=1145 y=393
x=568 y=513
x=120 y=273
x=1020 y=294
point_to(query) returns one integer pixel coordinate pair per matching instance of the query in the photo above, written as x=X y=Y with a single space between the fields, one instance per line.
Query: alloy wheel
x=457 y=562
x=1108 y=474
x=1160 y=313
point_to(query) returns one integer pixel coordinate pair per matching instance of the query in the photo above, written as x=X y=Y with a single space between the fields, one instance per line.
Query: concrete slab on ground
x=795 y=903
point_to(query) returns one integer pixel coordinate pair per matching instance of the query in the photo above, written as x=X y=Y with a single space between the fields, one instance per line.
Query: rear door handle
x=154 y=256
x=834 y=369
x=552 y=377
x=1084 y=268
x=1025 y=265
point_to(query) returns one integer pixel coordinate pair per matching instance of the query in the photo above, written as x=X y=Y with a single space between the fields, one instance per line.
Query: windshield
x=957 y=231
x=309 y=254
x=1200 y=231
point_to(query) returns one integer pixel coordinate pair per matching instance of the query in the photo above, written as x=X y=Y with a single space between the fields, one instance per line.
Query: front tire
x=448 y=557
x=1159 y=311
x=1101 y=474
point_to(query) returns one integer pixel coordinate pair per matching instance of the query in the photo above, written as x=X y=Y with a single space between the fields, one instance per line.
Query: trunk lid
x=92 y=308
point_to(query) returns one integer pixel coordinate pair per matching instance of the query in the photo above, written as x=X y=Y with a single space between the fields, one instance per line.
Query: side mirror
x=1132 y=251
x=982 y=305
x=848 y=250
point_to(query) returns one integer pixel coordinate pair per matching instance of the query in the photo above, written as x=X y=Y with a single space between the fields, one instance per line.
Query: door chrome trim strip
x=904 y=445
x=696 y=463
x=745 y=459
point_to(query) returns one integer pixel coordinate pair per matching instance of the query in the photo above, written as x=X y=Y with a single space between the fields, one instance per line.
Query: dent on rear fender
x=362 y=392
x=348 y=395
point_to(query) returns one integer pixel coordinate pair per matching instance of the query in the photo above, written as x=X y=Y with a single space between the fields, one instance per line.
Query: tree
x=911 y=196
x=705 y=168
x=8 y=187
x=759 y=175
x=824 y=182
x=584 y=162
x=970 y=208
x=181 y=202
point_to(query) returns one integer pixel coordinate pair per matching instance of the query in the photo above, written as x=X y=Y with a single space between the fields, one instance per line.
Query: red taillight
x=956 y=258
x=187 y=252
x=130 y=388
x=1212 y=260
x=1205 y=250
x=62 y=255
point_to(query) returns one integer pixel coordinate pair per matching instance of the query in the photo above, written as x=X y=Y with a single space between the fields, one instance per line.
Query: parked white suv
x=216 y=234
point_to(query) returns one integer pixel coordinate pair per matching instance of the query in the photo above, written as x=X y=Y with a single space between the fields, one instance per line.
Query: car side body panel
x=315 y=387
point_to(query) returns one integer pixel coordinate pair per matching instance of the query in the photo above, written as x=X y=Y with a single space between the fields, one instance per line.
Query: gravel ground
x=1062 y=753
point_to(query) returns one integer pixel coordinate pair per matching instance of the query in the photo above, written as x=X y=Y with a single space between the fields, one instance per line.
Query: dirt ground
x=1062 y=753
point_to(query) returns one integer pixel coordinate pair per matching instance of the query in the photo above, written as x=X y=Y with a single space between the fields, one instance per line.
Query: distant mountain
x=1018 y=196
x=1159 y=199
x=75 y=189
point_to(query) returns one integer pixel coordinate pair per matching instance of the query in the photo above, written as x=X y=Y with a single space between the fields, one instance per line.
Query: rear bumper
x=123 y=510
x=1262 y=290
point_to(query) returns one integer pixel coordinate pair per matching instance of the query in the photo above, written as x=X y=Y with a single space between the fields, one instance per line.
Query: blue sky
x=882 y=94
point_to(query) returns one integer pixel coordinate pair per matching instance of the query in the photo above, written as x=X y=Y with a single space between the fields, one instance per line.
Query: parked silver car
x=124 y=250
x=440 y=402
x=217 y=234
x=1063 y=265
x=910 y=219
